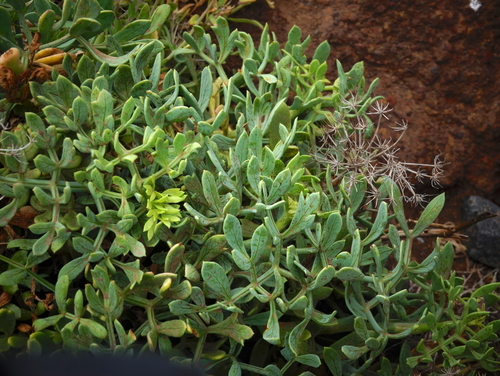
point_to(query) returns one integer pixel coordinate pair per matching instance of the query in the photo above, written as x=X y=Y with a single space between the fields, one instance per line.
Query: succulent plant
x=184 y=209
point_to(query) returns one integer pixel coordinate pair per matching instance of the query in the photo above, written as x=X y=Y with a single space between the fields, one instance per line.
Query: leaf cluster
x=179 y=210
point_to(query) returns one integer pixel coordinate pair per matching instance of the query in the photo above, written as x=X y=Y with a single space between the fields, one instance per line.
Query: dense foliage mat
x=246 y=221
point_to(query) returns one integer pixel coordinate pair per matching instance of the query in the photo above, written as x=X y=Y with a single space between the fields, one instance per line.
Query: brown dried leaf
x=5 y=298
x=33 y=286
x=7 y=233
x=25 y=328
x=15 y=89
x=30 y=301
x=39 y=75
x=7 y=78
x=24 y=217
x=34 y=46
x=48 y=301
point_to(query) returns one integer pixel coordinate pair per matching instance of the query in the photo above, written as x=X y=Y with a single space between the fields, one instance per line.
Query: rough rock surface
x=484 y=243
x=438 y=64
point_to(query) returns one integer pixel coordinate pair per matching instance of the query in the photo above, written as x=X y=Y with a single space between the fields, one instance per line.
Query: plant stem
x=32 y=274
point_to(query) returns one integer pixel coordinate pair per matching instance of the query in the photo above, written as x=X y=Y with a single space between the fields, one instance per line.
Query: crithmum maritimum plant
x=266 y=266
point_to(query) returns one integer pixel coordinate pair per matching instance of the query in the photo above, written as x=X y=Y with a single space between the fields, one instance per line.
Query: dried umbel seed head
x=351 y=150
x=12 y=59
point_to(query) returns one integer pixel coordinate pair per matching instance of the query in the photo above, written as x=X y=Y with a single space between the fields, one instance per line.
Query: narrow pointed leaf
x=429 y=215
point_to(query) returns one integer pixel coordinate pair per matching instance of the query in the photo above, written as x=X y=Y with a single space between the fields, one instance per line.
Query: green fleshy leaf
x=12 y=277
x=311 y=360
x=214 y=246
x=8 y=212
x=349 y=274
x=61 y=292
x=429 y=215
x=332 y=360
x=211 y=193
x=322 y=52
x=7 y=321
x=303 y=217
x=259 y=243
x=173 y=328
x=73 y=268
x=159 y=17
x=44 y=163
x=230 y=328
x=281 y=185
x=84 y=26
x=216 y=279
x=234 y=235
x=132 y=30
x=97 y=329
x=272 y=332
x=378 y=226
